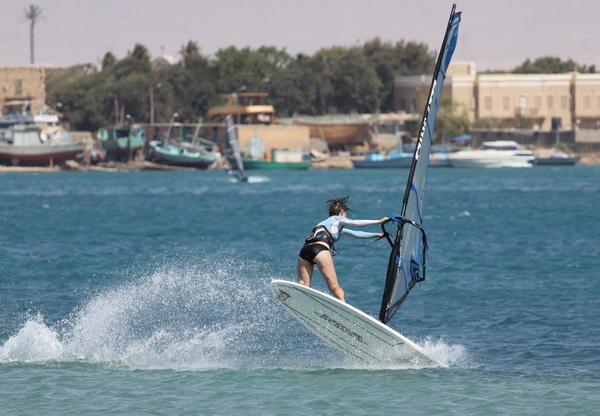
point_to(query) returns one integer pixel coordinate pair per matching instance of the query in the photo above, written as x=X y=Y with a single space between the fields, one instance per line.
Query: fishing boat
x=400 y=157
x=349 y=329
x=557 y=158
x=178 y=155
x=122 y=141
x=16 y=112
x=493 y=154
x=29 y=145
x=198 y=154
x=396 y=159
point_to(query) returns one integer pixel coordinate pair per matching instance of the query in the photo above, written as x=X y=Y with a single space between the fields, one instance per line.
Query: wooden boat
x=30 y=146
x=335 y=130
x=179 y=155
x=122 y=141
x=177 y=152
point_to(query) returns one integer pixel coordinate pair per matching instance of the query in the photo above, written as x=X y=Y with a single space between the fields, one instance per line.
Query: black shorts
x=310 y=251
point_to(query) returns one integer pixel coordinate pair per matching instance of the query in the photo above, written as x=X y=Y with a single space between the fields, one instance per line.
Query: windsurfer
x=317 y=247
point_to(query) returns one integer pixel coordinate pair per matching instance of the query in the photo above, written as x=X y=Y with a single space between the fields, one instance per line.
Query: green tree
x=298 y=87
x=140 y=52
x=233 y=68
x=189 y=50
x=108 y=61
x=391 y=60
x=33 y=13
x=354 y=81
x=551 y=65
x=188 y=89
x=82 y=102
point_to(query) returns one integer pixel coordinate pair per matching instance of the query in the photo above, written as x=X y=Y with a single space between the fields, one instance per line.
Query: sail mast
x=407 y=262
x=427 y=122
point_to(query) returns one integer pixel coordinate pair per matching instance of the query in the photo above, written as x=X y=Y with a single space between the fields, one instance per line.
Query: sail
x=233 y=143
x=407 y=262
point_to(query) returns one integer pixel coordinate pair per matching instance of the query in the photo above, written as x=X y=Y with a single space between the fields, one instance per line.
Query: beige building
x=511 y=100
x=22 y=84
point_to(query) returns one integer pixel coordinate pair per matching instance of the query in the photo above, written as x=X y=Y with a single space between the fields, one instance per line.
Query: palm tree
x=33 y=13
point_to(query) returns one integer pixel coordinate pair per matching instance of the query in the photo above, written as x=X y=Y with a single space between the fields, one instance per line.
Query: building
x=22 y=84
x=541 y=102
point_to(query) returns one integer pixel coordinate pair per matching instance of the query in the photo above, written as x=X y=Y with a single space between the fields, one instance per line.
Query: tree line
x=334 y=80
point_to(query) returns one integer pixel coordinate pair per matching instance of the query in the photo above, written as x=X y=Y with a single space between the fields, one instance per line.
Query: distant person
x=317 y=247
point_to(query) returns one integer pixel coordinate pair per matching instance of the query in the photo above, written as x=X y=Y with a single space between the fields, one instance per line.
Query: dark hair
x=337 y=205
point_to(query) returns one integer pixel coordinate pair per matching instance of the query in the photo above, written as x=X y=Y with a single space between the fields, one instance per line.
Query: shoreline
x=332 y=162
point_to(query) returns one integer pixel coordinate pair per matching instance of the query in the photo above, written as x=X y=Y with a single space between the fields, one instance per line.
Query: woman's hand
x=383 y=220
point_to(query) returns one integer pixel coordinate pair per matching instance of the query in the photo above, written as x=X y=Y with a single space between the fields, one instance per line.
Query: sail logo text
x=340 y=327
x=425 y=120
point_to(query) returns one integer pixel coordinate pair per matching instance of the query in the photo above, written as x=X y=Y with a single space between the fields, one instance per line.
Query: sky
x=494 y=34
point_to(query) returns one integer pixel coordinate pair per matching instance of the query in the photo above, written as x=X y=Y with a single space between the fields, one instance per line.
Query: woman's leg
x=305 y=271
x=324 y=262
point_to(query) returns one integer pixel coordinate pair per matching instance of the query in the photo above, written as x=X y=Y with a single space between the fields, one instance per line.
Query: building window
x=587 y=102
x=523 y=103
x=506 y=103
x=550 y=102
x=564 y=103
x=487 y=103
x=537 y=102
x=597 y=101
x=413 y=104
x=18 y=87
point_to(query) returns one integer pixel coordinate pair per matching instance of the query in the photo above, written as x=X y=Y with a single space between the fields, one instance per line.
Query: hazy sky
x=495 y=34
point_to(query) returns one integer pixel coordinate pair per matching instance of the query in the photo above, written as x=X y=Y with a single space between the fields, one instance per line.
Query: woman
x=317 y=247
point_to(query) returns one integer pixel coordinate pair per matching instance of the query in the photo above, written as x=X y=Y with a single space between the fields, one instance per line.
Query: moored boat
x=28 y=145
x=557 y=158
x=493 y=154
x=270 y=164
x=121 y=142
x=171 y=154
x=199 y=153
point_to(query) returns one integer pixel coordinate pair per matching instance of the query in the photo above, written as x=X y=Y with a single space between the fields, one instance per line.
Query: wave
x=215 y=314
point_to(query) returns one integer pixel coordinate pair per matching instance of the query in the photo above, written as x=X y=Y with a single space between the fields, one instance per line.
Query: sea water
x=148 y=293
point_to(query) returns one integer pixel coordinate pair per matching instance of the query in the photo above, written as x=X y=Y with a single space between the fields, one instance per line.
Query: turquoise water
x=148 y=293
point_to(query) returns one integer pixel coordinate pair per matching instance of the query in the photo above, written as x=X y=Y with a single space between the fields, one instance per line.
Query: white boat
x=495 y=154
